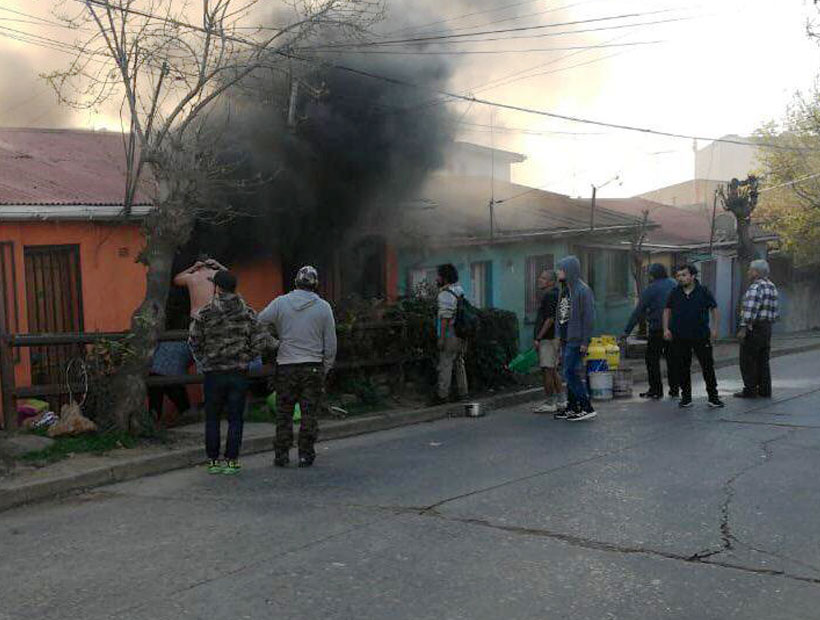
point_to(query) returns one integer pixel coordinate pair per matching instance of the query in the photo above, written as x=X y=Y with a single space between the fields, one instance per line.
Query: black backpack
x=465 y=320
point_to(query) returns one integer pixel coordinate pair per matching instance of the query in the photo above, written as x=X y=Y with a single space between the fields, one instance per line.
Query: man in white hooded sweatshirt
x=307 y=350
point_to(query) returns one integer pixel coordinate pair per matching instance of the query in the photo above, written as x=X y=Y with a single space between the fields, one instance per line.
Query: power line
x=468 y=98
x=491 y=32
x=512 y=51
x=789 y=183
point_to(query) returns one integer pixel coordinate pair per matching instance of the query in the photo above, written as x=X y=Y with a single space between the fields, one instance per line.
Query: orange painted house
x=67 y=252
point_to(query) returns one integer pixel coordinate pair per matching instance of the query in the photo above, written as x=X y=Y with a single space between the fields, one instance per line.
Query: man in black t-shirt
x=546 y=344
x=686 y=324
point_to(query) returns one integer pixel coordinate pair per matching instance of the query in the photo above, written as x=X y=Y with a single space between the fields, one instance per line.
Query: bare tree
x=740 y=198
x=171 y=62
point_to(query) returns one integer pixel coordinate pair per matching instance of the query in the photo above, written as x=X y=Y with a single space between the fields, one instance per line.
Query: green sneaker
x=214 y=467
x=231 y=468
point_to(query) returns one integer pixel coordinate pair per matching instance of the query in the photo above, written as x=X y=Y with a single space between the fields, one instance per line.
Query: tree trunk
x=745 y=244
x=167 y=228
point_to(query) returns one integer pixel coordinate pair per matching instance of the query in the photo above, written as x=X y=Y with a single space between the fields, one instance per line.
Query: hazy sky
x=723 y=67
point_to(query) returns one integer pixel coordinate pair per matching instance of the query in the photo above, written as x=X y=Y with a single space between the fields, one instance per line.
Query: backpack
x=465 y=320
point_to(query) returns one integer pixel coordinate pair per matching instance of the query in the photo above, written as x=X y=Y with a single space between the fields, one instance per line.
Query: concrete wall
x=508 y=264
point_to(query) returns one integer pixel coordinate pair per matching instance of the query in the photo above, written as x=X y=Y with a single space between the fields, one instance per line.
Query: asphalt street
x=648 y=511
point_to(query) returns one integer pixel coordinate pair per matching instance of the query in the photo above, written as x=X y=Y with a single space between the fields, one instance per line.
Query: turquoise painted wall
x=508 y=273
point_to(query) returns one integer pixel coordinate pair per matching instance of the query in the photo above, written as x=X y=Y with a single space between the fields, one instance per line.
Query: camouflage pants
x=303 y=384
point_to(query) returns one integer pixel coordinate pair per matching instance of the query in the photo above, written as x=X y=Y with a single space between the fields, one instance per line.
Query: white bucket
x=473 y=410
x=600 y=385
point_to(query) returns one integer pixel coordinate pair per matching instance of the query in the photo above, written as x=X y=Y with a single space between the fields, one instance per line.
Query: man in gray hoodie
x=575 y=316
x=307 y=349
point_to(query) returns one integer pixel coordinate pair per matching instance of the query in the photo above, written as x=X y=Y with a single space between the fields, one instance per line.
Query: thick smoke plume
x=359 y=144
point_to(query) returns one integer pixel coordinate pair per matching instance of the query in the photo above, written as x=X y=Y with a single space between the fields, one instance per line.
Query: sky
x=707 y=69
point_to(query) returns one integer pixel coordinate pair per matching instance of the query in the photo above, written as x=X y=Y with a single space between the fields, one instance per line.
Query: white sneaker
x=546 y=407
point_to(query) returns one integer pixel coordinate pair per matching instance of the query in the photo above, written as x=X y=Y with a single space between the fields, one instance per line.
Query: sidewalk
x=88 y=471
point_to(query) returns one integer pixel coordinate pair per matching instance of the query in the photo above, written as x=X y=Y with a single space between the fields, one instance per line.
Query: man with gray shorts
x=546 y=344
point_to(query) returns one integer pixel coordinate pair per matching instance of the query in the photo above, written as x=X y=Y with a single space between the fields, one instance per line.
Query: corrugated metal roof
x=62 y=167
x=33 y=212
x=461 y=212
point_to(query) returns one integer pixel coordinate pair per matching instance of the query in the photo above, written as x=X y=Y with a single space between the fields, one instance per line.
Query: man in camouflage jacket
x=224 y=337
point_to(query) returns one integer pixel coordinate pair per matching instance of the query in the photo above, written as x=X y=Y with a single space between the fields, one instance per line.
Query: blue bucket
x=597 y=366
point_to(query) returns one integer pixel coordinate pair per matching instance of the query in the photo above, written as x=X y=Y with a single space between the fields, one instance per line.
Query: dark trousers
x=577 y=395
x=754 y=359
x=224 y=391
x=657 y=347
x=303 y=384
x=177 y=393
x=682 y=350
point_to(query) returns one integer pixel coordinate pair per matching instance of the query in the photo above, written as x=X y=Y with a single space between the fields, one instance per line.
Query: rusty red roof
x=62 y=167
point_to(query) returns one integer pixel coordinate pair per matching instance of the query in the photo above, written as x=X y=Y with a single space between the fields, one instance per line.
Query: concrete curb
x=151 y=464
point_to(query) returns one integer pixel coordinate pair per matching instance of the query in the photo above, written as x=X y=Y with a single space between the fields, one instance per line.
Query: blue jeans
x=224 y=391
x=577 y=396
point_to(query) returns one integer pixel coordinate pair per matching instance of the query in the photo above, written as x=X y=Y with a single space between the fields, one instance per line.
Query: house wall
x=113 y=284
x=508 y=290
x=259 y=281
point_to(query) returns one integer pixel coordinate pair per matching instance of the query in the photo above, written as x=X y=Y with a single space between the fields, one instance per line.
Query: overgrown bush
x=409 y=331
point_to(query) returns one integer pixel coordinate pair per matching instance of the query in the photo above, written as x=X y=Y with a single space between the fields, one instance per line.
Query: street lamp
x=595 y=189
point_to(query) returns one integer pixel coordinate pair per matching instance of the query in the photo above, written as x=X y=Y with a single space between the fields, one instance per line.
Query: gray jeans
x=451 y=358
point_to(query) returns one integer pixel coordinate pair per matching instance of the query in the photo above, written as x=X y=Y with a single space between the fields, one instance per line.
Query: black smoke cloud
x=361 y=147
x=360 y=144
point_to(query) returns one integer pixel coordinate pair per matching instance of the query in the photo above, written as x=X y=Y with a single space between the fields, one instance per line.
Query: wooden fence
x=10 y=343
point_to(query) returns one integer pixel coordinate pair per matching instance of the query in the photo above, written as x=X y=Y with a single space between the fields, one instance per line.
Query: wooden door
x=54 y=302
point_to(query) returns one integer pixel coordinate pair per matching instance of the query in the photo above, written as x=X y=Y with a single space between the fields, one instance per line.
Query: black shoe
x=674 y=393
x=744 y=394
x=306 y=461
x=685 y=401
x=561 y=414
x=281 y=461
x=715 y=403
x=650 y=394
x=580 y=416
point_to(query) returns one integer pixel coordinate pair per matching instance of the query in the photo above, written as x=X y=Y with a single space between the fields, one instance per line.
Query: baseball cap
x=307 y=276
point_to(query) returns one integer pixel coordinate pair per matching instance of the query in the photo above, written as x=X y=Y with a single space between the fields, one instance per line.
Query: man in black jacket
x=687 y=326
x=650 y=307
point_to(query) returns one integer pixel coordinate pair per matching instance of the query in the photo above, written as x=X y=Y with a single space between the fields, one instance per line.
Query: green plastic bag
x=271 y=402
x=524 y=361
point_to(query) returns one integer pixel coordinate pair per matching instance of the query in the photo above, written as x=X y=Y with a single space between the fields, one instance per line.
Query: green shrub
x=487 y=355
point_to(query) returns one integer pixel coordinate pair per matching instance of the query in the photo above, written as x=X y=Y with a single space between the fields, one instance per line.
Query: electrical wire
x=455 y=96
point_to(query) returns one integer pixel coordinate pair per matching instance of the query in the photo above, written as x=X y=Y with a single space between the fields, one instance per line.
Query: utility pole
x=294 y=97
x=592 y=209
x=714 y=216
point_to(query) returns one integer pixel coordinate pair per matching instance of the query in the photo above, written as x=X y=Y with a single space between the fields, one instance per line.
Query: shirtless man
x=198 y=280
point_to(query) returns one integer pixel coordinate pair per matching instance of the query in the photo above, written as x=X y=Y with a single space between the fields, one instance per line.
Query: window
x=55 y=305
x=481 y=283
x=535 y=265
x=617 y=274
x=418 y=277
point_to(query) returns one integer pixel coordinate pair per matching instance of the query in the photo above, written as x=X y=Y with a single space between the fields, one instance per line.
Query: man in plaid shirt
x=759 y=310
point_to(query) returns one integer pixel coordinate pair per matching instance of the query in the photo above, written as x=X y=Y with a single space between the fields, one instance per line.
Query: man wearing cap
x=224 y=337
x=307 y=350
